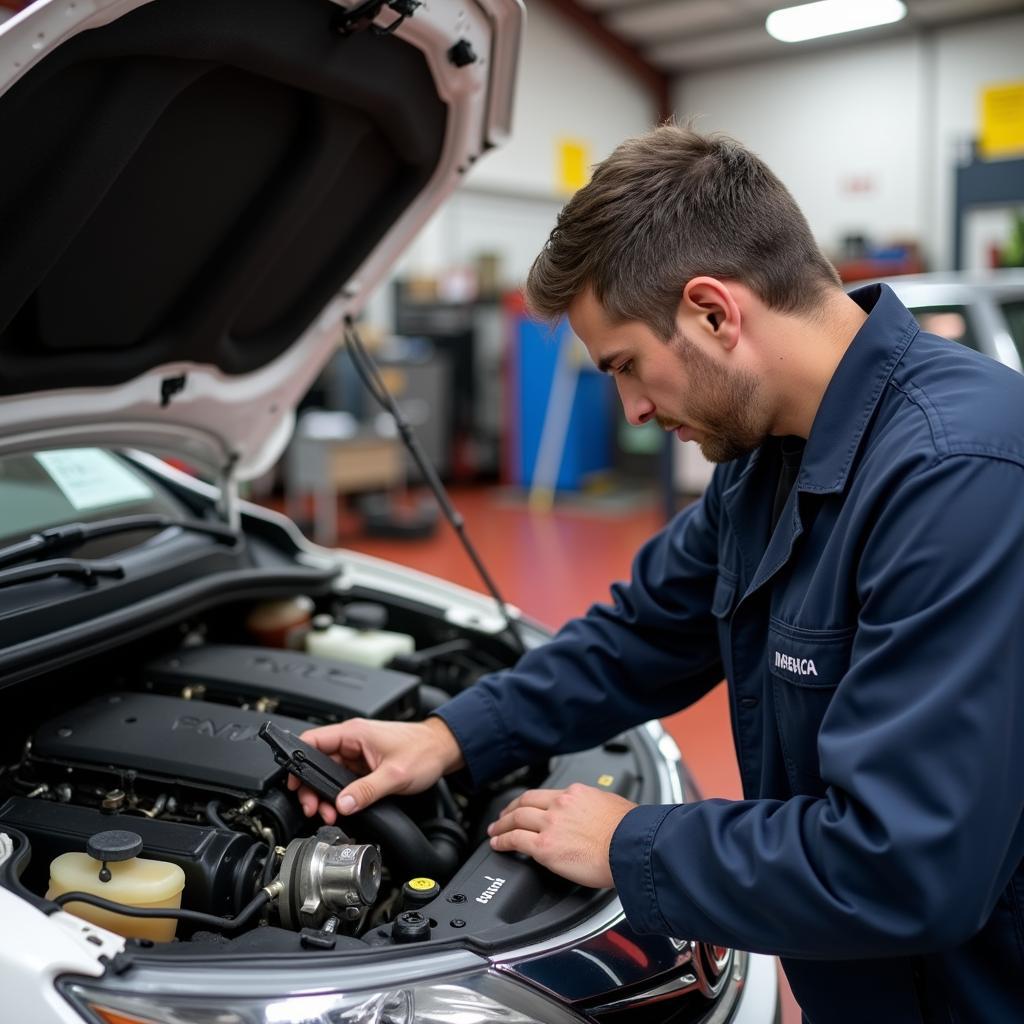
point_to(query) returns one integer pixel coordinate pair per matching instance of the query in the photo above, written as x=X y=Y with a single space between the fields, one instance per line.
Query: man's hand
x=392 y=757
x=569 y=831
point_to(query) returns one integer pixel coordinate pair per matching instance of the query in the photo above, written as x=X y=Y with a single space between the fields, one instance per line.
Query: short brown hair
x=668 y=206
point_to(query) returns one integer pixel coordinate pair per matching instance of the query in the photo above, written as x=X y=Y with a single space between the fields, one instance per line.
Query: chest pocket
x=805 y=667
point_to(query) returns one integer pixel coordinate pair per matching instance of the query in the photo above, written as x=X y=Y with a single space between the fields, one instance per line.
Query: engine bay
x=154 y=754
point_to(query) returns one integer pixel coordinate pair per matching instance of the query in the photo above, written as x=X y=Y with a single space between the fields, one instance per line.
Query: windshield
x=1014 y=313
x=950 y=321
x=75 y=485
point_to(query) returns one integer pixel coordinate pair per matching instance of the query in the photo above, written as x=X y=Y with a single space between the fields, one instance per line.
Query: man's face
x=676 y=383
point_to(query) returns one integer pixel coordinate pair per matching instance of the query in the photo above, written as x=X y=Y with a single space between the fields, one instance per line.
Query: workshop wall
x=569 y=89
x=865 y=136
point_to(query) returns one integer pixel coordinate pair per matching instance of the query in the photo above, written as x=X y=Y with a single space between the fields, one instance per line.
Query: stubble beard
x=726 y=403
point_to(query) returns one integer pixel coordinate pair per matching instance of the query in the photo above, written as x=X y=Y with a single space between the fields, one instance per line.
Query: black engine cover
x=210 y=744
x=298 y=681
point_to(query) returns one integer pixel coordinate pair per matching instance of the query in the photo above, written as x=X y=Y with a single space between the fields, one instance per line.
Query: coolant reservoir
x=131 y=880
x=361 y=642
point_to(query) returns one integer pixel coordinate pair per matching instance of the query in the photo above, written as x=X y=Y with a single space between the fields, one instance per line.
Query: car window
x=950 y=322
x=73 y=485
x=1014 y=313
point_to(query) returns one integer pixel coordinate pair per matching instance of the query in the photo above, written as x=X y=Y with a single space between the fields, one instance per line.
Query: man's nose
x=638 y=409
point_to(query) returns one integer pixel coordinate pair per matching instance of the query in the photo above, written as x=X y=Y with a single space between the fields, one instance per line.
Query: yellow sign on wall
x=573 y=170
x=1002 y=119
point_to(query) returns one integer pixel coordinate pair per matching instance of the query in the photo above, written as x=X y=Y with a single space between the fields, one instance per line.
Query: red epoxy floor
x=553 y=566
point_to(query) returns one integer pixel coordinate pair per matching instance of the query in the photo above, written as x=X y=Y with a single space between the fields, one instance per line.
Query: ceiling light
x=830 y=17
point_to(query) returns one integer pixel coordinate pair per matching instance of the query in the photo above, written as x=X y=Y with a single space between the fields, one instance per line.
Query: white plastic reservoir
x=137 y=882
x=365 y=646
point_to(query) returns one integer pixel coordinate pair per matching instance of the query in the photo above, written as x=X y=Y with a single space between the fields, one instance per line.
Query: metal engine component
x=327 y=876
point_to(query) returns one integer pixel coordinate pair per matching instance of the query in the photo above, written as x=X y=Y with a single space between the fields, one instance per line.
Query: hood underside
x=188 y=185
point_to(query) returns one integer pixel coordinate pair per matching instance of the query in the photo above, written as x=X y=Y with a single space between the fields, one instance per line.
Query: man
x=855 y=570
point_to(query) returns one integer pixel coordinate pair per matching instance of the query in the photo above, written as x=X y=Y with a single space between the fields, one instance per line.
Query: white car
x=982 y=310
x=197 y=196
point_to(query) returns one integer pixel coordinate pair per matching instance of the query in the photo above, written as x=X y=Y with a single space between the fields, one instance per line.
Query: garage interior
x=904 y=145
x=873 y=131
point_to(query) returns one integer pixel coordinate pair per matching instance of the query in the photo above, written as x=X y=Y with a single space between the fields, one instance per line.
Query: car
x=198 y=198
x=983 y=310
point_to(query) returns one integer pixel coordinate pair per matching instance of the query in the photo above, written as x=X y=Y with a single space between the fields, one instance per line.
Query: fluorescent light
x=830 y=17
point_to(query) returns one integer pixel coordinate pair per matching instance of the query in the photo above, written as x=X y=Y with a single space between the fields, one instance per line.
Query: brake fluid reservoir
x=361 y=642
x=123 y=879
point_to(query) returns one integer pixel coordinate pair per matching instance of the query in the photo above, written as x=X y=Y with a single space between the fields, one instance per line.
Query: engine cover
x=298 y=681
x=210 y=744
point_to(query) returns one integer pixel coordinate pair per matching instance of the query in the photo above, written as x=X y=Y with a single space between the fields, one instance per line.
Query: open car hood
x=195 y=195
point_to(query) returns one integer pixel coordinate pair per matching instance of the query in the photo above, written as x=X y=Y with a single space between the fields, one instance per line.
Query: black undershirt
x=791 y=451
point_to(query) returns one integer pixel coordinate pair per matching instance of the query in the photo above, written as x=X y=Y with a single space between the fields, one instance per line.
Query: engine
x=176 y=760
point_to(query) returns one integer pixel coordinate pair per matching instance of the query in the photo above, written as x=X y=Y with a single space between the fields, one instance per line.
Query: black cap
x=366 y=615
x=411 y=926
x=114 y=845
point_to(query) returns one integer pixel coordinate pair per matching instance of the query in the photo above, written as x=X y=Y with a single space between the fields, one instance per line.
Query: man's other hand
x=391 y=757
x=569 y=831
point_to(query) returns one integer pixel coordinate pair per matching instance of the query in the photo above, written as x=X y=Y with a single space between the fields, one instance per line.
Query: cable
x=371 y=377
x=214 y=818
x=447 y=801
x=268 y=865
x=250 y=910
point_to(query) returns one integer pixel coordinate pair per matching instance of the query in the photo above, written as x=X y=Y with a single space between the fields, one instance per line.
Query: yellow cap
x=421 y=884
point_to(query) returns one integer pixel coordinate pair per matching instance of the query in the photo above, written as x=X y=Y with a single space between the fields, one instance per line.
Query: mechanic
x=855 y=570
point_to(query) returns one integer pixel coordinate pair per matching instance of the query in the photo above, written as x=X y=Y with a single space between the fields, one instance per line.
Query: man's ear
x=710 y=301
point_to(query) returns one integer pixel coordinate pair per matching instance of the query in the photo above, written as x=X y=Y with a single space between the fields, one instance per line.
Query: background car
x=199 y=197
x=984 y=311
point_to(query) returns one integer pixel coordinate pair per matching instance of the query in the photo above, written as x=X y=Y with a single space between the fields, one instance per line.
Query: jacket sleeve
x=921 y=750
x=653 y=650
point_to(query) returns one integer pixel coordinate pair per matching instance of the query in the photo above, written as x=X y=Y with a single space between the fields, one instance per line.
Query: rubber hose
x=229 y=924
x=405 y=847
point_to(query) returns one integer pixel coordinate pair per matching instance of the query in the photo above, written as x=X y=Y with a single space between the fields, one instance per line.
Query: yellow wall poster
x=573 y=170
x=1002 y=119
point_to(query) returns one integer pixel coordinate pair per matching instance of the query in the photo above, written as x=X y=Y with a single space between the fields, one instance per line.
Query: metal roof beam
x=653 y=79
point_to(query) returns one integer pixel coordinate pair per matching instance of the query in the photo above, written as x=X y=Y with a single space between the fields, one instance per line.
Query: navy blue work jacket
x=874 y=648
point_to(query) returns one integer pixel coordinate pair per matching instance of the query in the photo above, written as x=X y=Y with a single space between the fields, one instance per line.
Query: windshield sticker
x=91 y=478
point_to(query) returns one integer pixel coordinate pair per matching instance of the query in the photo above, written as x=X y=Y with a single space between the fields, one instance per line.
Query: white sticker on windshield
x=92 y=477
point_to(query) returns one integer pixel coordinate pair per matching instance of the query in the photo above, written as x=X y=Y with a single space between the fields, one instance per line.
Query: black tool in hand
x=313 y=767
x=408 y=849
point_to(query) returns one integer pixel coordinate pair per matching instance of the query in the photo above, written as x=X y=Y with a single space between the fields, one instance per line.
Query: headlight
x=482 y=998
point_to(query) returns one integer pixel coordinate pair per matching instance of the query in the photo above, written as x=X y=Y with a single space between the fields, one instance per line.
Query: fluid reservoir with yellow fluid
x=111 y=868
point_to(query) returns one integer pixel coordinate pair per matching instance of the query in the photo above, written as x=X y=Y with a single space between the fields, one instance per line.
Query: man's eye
x=625 y=369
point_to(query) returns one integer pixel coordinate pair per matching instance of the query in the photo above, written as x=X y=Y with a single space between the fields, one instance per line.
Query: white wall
x=966 y=59
x=568 y=88
x=889 y=114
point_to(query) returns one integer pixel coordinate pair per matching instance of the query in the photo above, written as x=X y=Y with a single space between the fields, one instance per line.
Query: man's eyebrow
x=605 y=363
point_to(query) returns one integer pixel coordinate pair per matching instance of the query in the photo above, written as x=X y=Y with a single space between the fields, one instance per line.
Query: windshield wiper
x=88 y=572
x=71 y=535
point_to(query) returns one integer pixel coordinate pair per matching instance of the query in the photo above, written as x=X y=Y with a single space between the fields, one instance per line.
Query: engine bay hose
x=404 y=844
x=246 y=914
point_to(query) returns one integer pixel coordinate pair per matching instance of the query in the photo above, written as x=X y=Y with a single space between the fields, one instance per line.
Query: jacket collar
x=855 y=389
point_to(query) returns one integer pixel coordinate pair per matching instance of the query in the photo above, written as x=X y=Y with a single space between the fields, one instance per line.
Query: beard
x=727 y=404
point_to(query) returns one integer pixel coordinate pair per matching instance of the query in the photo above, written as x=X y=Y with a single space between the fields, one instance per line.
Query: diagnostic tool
x=312 y=766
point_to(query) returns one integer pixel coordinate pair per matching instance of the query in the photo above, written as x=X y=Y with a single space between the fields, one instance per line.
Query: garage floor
x=553 y=566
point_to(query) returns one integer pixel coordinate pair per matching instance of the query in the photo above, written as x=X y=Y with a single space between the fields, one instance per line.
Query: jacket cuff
x=475 y=721
x=632 y=873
